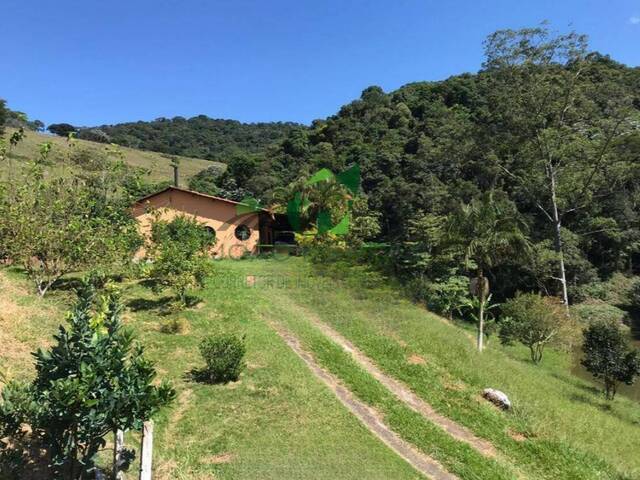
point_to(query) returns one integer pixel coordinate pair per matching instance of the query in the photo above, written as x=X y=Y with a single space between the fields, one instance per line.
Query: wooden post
x=146 y=455
x=117 y=455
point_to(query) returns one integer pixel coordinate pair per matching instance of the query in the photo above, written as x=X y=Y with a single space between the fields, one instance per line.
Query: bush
x=175 y=326
x=440 y=296
x=224 y=357
x=608 y=355
x=535 y=321
x=93 y=381
x=598 y=311
x=634 y=295
x=179 y=251
x=617 y=290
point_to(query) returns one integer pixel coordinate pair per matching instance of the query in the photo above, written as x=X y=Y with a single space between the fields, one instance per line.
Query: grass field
x=157 y=163
x=279 y=421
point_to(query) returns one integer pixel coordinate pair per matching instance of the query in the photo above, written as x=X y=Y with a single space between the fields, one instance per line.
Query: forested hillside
x=201 y=136
x=545 y=124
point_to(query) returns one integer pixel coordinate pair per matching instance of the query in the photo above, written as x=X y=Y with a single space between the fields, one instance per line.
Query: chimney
x=176 y=183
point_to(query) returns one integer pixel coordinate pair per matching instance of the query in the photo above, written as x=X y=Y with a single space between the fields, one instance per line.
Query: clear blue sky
x=91 y=62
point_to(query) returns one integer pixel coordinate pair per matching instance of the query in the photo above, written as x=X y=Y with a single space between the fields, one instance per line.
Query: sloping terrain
x=158 y=164
x=280 y=420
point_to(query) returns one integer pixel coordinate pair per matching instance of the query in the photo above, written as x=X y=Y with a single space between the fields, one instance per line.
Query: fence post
x=117 y=455
x=146 y=455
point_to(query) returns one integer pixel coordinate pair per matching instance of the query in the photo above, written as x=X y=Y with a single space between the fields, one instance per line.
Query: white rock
x=497 y=398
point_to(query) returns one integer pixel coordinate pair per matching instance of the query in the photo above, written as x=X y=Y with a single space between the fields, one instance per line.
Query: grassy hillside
x=279 y=421
x=157 y=163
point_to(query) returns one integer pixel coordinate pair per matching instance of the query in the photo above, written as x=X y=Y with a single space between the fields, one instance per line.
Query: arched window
x=210 y=231
x=242 y=232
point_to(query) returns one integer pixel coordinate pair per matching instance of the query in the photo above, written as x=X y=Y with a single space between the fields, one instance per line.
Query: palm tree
x=322 y=198
x=491 y=231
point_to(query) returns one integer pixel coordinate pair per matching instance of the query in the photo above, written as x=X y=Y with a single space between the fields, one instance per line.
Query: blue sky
x=92 y=62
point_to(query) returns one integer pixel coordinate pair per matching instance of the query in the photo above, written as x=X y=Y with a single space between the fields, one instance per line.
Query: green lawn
x=280 y=422
x=570 y=430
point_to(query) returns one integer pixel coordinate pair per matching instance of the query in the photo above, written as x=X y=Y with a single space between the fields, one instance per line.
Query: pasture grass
x=158 y=164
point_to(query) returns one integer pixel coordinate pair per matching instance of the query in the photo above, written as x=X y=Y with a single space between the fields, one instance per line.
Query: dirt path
x=368 y=416
x=400 y=390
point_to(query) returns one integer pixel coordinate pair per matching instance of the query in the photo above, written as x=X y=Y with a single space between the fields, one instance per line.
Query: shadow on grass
x=202 y=375
x=165 y=305
x=577 y=382
x=67 y=284
x=607 y=406
x=72 y=283
x=146 y=304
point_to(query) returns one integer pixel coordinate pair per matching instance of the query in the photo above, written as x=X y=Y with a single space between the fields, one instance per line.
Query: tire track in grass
x=400 y=390
x=368 y=416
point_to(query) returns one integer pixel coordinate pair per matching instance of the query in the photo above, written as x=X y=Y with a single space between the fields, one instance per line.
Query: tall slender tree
x=491 y=232
x=556 y=123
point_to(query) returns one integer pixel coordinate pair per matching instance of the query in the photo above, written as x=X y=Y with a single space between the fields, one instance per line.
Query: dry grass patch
x=415 y=359
x=24 y=324
x=219 y=459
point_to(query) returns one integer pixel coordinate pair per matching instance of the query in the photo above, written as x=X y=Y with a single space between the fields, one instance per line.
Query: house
x=238 y=229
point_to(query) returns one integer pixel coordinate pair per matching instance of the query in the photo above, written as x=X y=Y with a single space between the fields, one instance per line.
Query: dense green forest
x=201 y=136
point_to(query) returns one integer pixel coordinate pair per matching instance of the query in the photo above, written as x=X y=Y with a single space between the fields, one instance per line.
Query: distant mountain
x=201 y=136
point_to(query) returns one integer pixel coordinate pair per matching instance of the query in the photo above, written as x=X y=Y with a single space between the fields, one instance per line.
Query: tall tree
x=490 y=231
x=555 y=123
x=3 y=115
x=62 y=129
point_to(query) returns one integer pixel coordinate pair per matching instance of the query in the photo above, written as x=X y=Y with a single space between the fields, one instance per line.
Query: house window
x=242 y=232
x=210 y=231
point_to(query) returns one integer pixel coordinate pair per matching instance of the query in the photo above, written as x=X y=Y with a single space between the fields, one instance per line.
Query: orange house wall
x=217 y=214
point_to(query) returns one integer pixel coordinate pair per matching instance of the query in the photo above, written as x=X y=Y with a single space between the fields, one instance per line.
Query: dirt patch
x=18 y=322
x=219 y=459
x=454 y=386
x=165 y=470
x=517 y=436
x=415 y=359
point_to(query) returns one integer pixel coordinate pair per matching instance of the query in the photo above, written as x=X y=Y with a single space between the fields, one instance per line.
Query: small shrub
x=92 y=381
x=442 y=296
x=224 y=357
x=536 y=321
x=608 y=356
x=598 y=311
x=175 y=326
x=179 y=254
x=445 y=296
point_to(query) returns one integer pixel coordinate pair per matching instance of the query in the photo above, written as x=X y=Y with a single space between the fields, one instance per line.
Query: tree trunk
x=481 y=296
x=117 y=455
x=481 y=325
x=562 y=276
